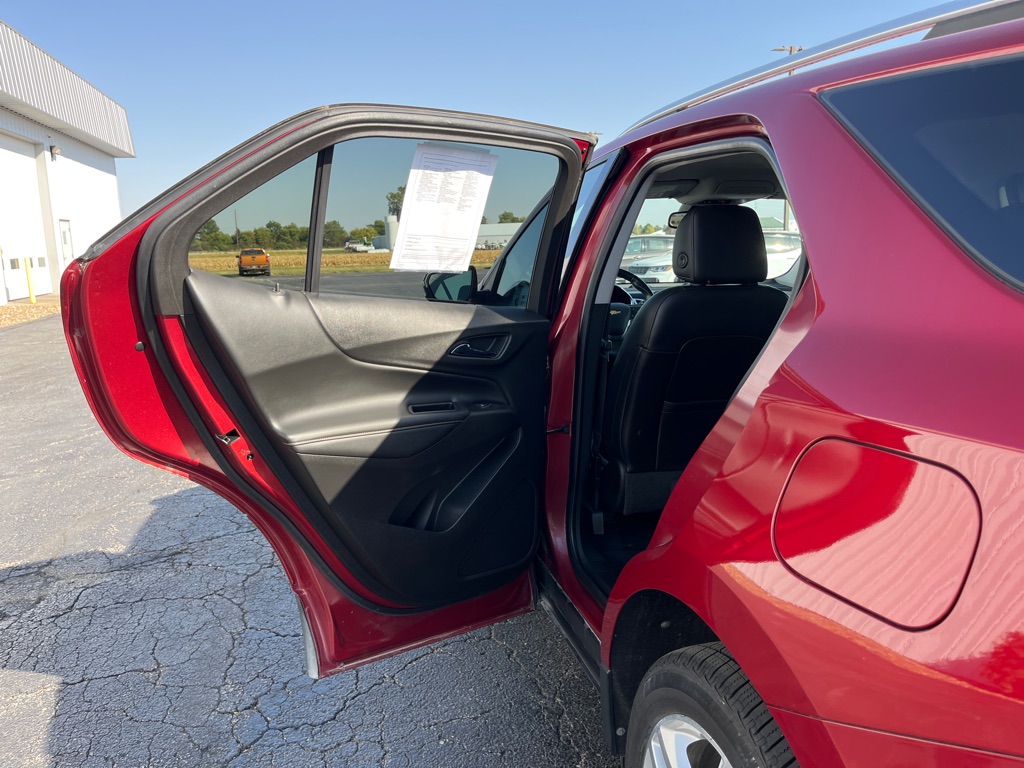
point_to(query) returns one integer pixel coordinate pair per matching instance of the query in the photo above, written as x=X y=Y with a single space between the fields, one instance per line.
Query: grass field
x=331 y=262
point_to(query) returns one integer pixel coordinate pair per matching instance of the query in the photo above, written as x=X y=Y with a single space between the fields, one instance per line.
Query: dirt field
x=332 y=261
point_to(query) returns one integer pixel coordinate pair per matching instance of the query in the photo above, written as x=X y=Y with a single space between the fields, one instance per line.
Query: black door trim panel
x=426 y=466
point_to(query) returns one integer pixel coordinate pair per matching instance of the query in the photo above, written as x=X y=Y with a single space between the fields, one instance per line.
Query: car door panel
x=418 y=460
x=390 y=450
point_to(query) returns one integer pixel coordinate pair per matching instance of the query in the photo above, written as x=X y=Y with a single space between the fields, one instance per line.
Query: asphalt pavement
x=407 y=284
x=145 y=622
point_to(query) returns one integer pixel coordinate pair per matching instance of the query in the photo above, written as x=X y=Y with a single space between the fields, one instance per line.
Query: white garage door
x=22 y=242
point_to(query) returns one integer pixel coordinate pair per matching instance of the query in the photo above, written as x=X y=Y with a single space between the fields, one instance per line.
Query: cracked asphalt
x=145 y=622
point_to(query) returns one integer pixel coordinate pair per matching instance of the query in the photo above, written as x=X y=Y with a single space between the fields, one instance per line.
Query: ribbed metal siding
x=39 y=87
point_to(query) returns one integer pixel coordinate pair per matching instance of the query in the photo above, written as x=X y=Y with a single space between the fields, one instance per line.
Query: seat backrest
x=685 y=353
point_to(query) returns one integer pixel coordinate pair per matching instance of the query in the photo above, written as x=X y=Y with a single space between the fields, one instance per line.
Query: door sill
x=582 y=639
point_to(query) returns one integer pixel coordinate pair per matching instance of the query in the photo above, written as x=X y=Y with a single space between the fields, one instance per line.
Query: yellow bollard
x=28 y=279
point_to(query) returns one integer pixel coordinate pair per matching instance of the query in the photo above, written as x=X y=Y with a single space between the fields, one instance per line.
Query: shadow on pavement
x=185 y=650
x=145 y=622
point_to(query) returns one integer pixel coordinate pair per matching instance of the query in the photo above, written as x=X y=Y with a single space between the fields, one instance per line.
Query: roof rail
x=880 y=33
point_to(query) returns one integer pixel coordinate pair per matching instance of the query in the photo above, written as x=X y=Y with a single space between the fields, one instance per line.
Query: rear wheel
x=696 y=708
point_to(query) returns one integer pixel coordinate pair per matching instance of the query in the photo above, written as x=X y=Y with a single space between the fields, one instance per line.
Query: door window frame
x=599 y=291
x=162 y=264
x=170 y=222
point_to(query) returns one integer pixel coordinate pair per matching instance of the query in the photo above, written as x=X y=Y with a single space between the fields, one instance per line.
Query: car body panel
x=897 y=343
x=654 y=269
x=124 y=359
x=816 y=379
x=142 y=416
x=253 y=261
x=819 y=742
x=643 y=247
x=859 y=522
x=658 y=268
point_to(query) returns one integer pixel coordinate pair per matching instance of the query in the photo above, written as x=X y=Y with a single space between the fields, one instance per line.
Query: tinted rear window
x=954 y=138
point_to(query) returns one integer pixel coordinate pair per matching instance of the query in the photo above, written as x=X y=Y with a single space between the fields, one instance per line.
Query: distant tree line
x=645 y=229
x=285 y=237
x=280 y=237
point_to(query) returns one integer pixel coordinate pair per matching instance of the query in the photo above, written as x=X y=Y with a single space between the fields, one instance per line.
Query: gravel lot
x=12 y=314
x=144 y=622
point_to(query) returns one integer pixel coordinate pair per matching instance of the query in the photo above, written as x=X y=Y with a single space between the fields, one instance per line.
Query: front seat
x=684 y=355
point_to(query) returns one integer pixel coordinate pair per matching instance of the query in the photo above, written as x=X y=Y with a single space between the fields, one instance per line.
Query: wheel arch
x=650 y=624
x=653 y=612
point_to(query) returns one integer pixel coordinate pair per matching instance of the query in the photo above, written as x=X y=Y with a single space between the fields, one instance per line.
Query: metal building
x=59 y=137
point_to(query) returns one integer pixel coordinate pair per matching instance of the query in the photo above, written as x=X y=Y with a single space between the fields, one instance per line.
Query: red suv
x=778 y=520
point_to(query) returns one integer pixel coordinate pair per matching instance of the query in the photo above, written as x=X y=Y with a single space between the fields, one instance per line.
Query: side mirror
x=451 y=286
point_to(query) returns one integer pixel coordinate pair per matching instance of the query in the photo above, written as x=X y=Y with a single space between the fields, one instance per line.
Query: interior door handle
x=465 y=349
x=481 y=347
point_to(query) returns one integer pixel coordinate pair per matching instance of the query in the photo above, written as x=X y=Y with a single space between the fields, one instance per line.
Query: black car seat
x=684 y=355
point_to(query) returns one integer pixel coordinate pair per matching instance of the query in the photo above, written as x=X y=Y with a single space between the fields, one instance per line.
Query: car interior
x=405 y=431
x=669 y=361
x=416 y=426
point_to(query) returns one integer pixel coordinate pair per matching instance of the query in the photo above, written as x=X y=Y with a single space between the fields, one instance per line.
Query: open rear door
x=390 y=447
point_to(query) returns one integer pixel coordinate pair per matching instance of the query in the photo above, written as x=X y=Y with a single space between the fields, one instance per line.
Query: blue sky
x=198 y=77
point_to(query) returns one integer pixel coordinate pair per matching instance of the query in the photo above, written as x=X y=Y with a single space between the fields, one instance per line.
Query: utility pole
x=789 y=50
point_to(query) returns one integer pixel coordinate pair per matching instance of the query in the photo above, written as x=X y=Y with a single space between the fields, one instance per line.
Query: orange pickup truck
x=253 y=261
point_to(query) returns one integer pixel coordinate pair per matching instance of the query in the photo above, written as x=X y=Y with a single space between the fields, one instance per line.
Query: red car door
x=390 y=448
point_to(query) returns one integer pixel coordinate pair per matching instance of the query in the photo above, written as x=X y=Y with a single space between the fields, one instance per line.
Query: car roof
x=955 y=16
x=957 y=28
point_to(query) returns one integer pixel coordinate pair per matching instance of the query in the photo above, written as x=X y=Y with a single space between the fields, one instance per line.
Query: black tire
x=704 y=684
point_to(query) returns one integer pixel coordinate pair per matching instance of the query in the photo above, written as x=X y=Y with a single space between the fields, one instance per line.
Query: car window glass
x=651 y=243
x=651 y=237
x=590 y=187
x=264 y=234
x=647 y=251
x=952 y=137
x=517 y=264
x=368 y=195
x=782 y=242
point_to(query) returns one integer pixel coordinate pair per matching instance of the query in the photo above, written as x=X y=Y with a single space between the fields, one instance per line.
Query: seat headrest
x=720 y=244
